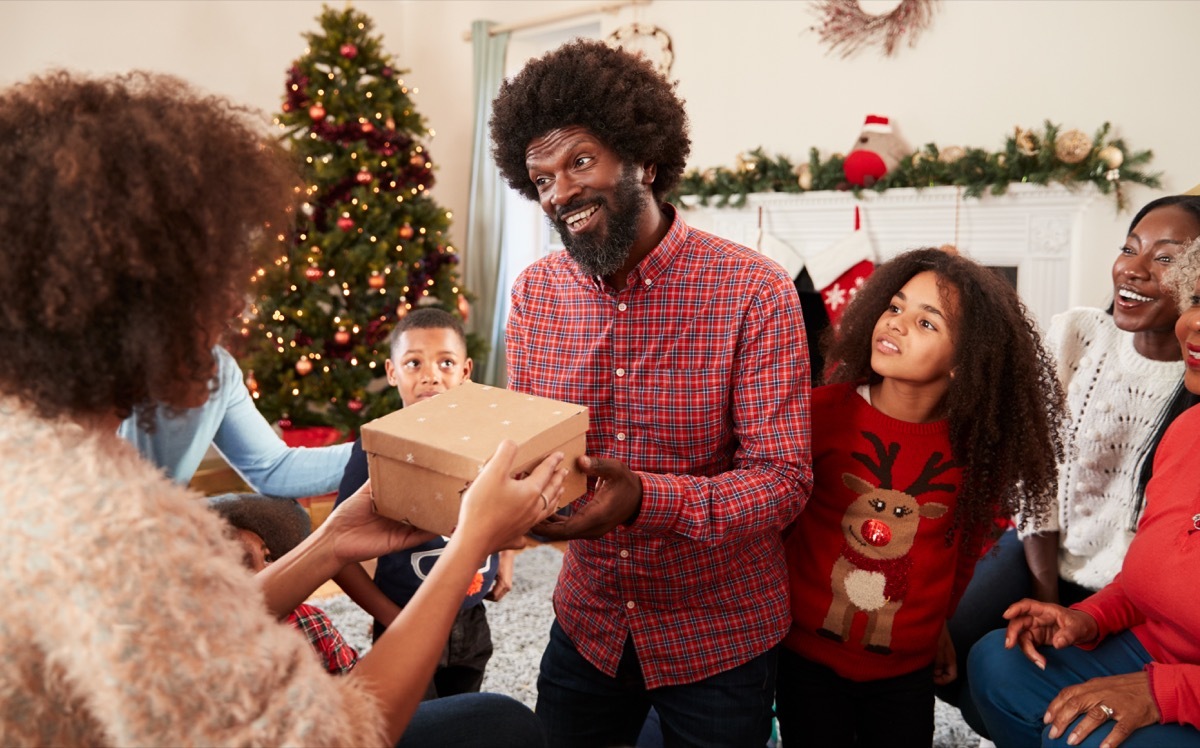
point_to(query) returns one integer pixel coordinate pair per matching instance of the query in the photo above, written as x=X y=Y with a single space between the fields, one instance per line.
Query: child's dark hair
x=617 y=96
x=428 y=318
x=1182 y=399
x=1004 y=404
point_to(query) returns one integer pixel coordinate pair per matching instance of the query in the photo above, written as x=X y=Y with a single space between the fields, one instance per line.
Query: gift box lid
x=457 y=431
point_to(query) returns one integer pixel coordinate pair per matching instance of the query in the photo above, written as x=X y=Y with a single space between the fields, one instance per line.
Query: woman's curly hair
x=129 y=207
x=1005 y=405
x=617 y=96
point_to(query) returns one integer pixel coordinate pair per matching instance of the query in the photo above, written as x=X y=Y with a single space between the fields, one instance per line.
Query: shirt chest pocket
x=684 y=413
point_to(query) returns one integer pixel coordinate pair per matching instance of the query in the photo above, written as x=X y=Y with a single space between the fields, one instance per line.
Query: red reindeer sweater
x=872 y=577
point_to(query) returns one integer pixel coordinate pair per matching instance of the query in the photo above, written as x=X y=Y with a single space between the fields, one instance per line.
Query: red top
x=696 y=376
x=338 y=656
x=1154 y=596
x=872 y=577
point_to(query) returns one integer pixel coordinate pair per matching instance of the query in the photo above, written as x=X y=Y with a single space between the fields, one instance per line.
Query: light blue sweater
x=231 y=422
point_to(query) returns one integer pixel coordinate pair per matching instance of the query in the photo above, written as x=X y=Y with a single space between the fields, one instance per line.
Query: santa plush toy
x=877 y=151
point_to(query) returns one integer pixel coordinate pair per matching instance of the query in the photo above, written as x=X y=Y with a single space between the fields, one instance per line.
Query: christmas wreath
x=845 y=24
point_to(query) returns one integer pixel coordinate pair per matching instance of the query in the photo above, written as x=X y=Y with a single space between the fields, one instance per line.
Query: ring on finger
x=546 y=505
x=1108 y=710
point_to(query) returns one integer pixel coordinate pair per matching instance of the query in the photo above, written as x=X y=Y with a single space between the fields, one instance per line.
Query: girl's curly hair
x=1005 y=405
x=617 y=96
x=129 y=206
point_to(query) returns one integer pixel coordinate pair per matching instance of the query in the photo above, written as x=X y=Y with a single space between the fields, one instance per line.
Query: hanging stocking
x=839 y=271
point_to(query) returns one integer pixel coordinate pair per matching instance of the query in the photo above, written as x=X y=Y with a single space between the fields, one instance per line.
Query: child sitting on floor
x=428 y=357
x=942 y=414
x=268 y=528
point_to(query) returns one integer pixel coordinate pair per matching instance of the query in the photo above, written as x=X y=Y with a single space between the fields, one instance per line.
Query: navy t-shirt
x=399 y=574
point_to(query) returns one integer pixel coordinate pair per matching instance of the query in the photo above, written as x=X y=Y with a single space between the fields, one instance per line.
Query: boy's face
x=427 y=362
x=257 y=554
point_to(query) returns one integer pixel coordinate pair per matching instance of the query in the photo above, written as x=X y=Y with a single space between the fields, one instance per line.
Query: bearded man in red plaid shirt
x=690 y=352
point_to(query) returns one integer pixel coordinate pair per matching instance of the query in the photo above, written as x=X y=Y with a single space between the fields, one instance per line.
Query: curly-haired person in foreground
x=919 y=446
x=690 y=354
x=129 y=207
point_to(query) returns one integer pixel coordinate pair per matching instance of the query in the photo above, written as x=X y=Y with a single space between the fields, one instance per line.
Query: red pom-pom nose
x=876 y=533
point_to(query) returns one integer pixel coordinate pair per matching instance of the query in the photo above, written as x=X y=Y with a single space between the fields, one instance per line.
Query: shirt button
x=630 y=604
x=620 y=372
x=647 y=281
x=622 y=307
x=624 y=554
x=620 y=436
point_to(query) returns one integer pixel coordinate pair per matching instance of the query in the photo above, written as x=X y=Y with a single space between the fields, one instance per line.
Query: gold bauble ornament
x=341 y=337
x=746 y=162
x=709 y=175
x=1001 y=160
x=951 y=153
x=1026 y=141
x=1112 y=156
x=1072 y=146
x=375 y=281
x=804 y=176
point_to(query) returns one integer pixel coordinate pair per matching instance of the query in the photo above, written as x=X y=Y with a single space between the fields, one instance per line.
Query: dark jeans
x=465 y=656
x=1012 y=693
x=473 y=720
x=582 y=707
x=819 y=708
x=1001 y=579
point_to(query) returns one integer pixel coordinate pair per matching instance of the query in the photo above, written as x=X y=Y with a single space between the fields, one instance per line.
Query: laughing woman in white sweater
x=1122 y=374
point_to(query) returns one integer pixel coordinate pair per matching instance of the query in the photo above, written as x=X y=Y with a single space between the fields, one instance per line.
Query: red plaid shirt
x=337 y=656
x=696 y=376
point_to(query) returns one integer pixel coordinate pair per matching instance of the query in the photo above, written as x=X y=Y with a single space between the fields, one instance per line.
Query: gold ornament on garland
x=1111 y=156
x=804 y=177
x=1072 y=146
x=845 y=25
x=1026 y=141
x=951 y=154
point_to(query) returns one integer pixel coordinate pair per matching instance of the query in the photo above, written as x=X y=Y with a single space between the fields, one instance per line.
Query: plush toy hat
x=877 y=151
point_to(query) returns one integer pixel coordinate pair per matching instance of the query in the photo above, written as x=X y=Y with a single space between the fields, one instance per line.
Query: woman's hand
x=1123 y=698
x=497 y=509
x=504 y=577
x=359 y=533
x=1032 y=624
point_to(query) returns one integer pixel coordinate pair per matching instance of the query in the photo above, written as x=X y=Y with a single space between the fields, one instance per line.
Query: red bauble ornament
x=341 y=337
x=464 y=307
x=348 y=50
x=303 y=367
x=375 y=281
x=316 y=112
x=386 y=72
x=405 y=231
x=285 y=423
x=363 y=177
x=417 y=160
x=312 y=273
x=251 y=382
x=368 y=127
x=402 y=309
x=287 y=106
x=345 y=223
x=354 y=405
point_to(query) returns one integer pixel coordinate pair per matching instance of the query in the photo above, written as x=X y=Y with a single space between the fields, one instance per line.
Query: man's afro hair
x=617 y=96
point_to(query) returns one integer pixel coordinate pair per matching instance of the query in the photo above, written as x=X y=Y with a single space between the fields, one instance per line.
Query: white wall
x=752 y=71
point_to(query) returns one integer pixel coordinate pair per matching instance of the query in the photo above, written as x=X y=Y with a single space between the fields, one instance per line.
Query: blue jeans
x=581 y=707
x=473 y=720
x=1012 y=694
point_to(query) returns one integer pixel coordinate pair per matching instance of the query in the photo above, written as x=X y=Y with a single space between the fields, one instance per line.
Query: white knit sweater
x=1114 y=396
x=130 y=619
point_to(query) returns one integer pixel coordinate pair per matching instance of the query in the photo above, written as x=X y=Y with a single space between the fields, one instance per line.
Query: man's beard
x=603 y=253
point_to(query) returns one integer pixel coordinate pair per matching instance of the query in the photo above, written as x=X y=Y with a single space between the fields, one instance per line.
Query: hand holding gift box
x=423 y=457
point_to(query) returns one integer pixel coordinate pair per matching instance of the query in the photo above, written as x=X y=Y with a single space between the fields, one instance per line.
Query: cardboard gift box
x=421 y=458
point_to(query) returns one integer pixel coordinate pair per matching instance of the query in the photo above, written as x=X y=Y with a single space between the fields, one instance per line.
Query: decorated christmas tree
x=369 y=244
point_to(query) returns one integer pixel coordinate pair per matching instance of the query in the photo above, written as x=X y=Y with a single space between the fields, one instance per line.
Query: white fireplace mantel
x=1036 y=229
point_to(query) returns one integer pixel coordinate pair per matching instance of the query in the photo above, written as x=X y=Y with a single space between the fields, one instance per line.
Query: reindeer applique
x=871 y=574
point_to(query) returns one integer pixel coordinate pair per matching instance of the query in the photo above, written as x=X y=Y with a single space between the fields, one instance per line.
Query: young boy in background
x=268 y=528
x=428 y=357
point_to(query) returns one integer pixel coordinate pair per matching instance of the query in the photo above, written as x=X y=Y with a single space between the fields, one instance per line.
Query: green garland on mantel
x=1028 y=156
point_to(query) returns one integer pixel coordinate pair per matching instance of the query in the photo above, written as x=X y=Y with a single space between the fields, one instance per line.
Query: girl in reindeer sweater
x=942 y=414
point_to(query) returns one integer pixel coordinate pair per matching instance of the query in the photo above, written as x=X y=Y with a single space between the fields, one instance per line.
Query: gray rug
x=520 y=625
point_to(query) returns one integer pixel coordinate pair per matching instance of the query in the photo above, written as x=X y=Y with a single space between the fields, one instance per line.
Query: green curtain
x=485 y=212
